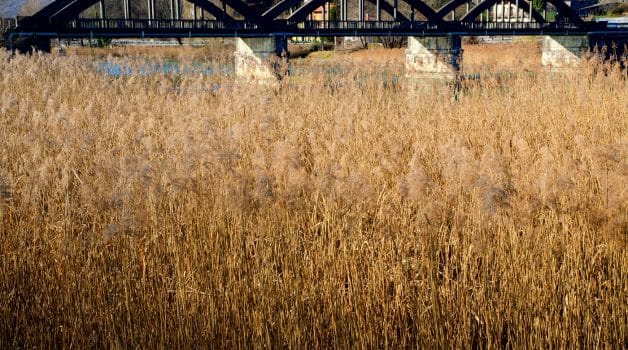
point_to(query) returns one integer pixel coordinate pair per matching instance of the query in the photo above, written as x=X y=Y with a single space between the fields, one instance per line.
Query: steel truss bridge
x=287 y=18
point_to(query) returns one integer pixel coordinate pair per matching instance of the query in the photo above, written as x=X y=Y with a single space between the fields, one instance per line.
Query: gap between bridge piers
x=430 y=58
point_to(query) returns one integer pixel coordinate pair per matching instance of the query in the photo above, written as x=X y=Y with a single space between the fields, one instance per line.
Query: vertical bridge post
x=127 y=9
x=101 y=9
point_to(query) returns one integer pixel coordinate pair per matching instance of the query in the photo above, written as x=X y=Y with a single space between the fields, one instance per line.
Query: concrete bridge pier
x=432 y=61
x=261 y=59
x=563 y=52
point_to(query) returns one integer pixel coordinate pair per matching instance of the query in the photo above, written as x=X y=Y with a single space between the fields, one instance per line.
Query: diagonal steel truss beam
x=279 y=8
x=302 y=12
x=72 y=8
x=567 y=11
x=67 y=9
x=562 y=7
x=450 y=6
x=485 y=5
x=389 y=9
x=214 y=10
x=426 y=10
x=244 y=9
x=52 y=9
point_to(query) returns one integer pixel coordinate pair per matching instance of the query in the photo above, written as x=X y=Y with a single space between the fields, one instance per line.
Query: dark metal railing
x=312 y=27
x=362 y=25
x=158 y=24
x=518 y=26
x=165 y=24
x=443 y=26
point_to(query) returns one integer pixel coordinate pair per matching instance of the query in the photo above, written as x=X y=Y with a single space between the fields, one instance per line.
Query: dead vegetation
x=160 y=211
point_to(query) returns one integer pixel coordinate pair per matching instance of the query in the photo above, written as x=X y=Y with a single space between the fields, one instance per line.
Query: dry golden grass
x=521 y=55
x=524 y=55
x=164 y=211
x=211 y=49
x=518 y=55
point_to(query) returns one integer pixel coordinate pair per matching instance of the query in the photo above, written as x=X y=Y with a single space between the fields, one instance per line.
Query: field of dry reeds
x=331 y=212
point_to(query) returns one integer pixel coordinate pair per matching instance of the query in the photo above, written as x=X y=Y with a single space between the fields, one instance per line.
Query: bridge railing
x=118 y=24
x=362 y=25
x=136 y=25
x=443 y=26
x=553 y=26
x=159 y=24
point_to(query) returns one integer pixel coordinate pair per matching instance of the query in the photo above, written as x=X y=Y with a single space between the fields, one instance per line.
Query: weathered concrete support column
x=563 y=52
x=432 y=60
x=262 y=59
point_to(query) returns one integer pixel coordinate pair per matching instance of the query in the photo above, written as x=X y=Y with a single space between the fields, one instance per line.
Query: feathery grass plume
x=610 y=169
x=460 y=167
x=288 y=169
x=264 y=181
x=494 y=185
x=416 y=185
